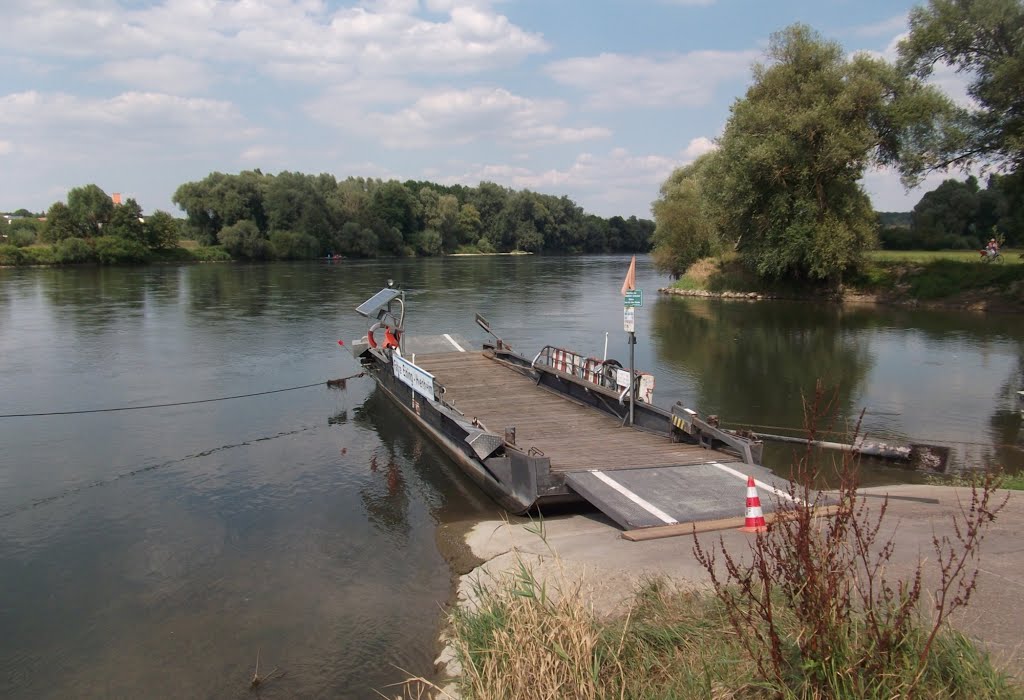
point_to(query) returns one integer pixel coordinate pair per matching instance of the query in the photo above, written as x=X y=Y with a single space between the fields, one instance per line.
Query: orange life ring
x=391 y=339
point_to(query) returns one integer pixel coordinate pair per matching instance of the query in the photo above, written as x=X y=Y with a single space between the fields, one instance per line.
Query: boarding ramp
x=676 y=495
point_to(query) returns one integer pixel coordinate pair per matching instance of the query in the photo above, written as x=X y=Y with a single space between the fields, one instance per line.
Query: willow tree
x=983 y=39
x=786 y=176
x=685 y=226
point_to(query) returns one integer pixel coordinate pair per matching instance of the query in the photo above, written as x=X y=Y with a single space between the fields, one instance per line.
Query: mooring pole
x=632 y=375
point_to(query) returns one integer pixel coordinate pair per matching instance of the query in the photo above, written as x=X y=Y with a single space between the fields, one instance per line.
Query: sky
x=596 y=99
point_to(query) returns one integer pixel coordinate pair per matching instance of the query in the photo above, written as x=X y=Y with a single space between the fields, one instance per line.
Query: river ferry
x=554 y=426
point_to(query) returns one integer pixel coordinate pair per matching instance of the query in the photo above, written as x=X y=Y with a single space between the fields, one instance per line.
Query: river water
x=155 y=553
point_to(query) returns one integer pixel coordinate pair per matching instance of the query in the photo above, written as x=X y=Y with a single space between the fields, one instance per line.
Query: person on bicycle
x=993 y=248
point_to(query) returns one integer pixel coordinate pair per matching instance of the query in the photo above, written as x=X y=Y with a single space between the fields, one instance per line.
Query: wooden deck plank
x=573 y=436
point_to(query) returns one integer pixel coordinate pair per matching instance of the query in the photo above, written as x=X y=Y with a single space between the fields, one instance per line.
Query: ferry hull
x=513 y=493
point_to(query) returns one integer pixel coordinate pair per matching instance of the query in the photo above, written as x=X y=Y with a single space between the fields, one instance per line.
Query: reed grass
x=520 y=641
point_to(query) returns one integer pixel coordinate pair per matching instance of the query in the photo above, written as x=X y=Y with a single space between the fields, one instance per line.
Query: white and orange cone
x=754 y=520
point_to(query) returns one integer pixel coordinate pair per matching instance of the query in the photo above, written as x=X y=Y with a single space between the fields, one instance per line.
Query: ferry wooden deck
x=574 y=437
x=639 y=479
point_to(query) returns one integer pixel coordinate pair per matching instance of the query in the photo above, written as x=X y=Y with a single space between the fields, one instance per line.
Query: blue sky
x=599 y=100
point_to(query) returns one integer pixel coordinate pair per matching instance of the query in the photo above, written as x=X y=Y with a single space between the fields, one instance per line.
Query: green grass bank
x=940 y=278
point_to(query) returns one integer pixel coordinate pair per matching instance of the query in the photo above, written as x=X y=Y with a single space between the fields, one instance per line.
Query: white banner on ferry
x=417 y=379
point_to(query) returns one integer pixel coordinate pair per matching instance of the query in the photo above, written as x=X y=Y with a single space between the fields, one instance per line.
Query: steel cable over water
x=145 y=469
x=329 y=382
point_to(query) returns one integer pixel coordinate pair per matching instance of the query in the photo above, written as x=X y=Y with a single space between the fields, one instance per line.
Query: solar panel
x=371 y=306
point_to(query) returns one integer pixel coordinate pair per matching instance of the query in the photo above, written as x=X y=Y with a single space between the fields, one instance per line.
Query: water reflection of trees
x=937 y=325
x=1006 y=421
x=95 y=299
x=752 y=364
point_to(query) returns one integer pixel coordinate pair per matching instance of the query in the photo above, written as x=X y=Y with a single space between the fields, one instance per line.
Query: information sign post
x=632 y=299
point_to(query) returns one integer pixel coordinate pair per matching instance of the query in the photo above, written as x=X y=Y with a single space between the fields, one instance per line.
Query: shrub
x=815 y=607
x=110 y=250
x=245 y=240
x=289 y=245
x=174 y=254
x=429 y=242
x=21 y=237
x=72 y=250
x=39 y=255
x=11 y=255
x=213 y=253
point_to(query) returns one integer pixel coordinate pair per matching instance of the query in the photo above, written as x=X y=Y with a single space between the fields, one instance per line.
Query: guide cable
x=330 y=382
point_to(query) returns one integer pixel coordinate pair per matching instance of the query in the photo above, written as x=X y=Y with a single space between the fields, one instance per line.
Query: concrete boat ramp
x=644 y=476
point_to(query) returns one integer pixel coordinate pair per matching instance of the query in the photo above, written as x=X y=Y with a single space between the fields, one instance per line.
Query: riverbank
x=955 y=280
x=585 y=556
x=114 y=252
x=484 y=255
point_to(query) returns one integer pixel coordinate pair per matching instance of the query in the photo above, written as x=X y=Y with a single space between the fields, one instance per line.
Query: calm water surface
x=152 y=553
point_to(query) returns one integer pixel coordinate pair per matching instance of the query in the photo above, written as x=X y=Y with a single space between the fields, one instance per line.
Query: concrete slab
x=641 y=498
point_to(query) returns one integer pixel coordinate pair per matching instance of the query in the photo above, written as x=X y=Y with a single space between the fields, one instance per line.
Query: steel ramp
x=656 y=496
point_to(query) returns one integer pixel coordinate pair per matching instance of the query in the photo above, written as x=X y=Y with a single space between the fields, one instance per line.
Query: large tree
x=786 y=178
x=686 y=228
x=219 y=201
x=91 y=208
x=60 y=224
x=162 y=230
x=985 y=40
x=126 y=222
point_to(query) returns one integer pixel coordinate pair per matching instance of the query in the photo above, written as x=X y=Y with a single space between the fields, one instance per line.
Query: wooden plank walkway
x=573 y=436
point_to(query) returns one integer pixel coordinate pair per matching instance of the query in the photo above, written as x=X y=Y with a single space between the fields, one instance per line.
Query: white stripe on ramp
x=766 y=487
x=650 y=508
x=452 y=341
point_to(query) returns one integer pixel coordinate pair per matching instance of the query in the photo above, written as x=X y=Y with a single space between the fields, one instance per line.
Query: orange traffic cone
x=754 y=521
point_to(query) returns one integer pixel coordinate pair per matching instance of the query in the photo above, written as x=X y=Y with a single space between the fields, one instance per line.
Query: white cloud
x=456 y=117
x=130 y=133
x=303 y=35
x=624 y=81
x=262 y=154
x=886 y=27
x=6 y=147
x=698 y=147
x=615 y=182
x=171 y=73
x=129 y=110
x=604 y=173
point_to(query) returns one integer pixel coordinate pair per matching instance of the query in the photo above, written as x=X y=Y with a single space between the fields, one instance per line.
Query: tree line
x=257 y=216
x=294 y=215
x=960 y=215
x=90 y=227
x=783 y=188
